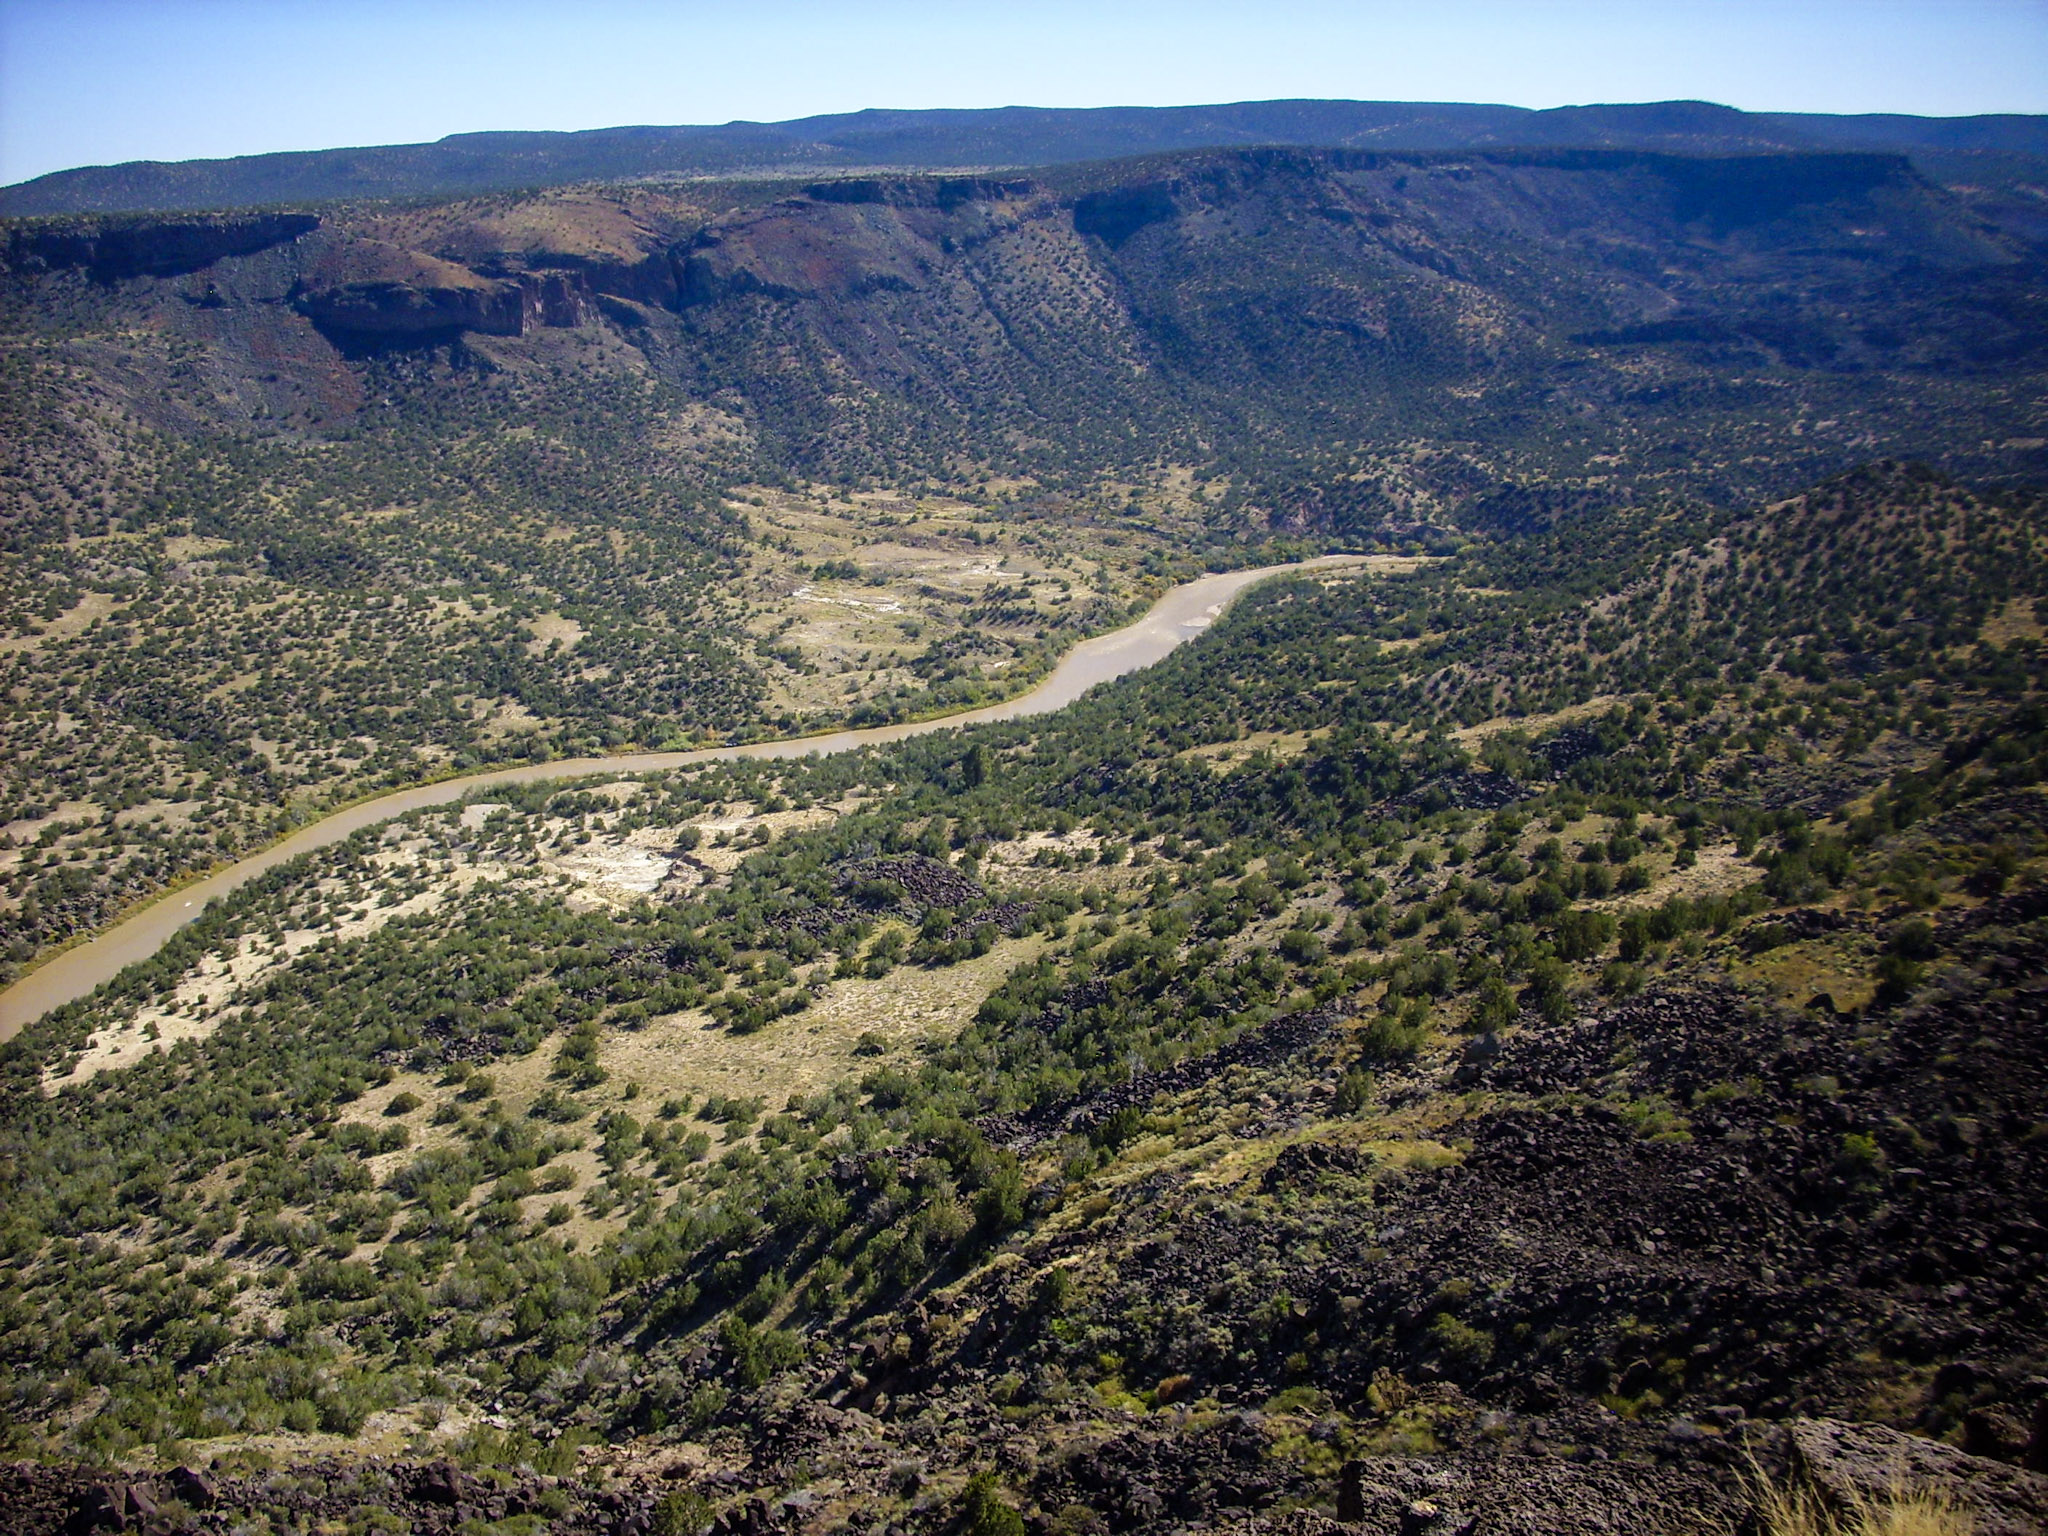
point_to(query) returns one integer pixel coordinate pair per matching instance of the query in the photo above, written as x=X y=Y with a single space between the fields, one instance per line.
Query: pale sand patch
x=27 y=828
x=695 y=428
x=1221 y=755
x=810 y=595
x=209 y=994
x=612 y=873
x=93 y=605
x=194 y=546
x=187 y=1016
x=1473 y=735
x=1022 y=853
x=389 y=1432
x=2015 y=621
x=739 y=822
x=685 y=1053
x=1717 y=872
x=550 y=627
x=507 y=718
x=1402 y=642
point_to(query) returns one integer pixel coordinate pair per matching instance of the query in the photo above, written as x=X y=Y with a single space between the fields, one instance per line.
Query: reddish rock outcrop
x=371 y=288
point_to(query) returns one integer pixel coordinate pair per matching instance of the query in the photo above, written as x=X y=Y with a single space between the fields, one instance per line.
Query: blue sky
x=86 y=82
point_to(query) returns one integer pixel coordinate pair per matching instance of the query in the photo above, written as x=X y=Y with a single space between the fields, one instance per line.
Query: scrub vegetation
x=1542 y=1024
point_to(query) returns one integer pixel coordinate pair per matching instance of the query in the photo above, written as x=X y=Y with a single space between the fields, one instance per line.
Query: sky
x=93 y=82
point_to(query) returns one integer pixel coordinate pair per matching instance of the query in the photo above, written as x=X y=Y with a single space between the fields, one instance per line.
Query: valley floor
x=1438 y=1055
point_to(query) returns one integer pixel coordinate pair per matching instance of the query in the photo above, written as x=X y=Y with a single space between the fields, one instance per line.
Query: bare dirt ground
x=1035 y=858
x=1223 y=756
x=685 y=1057
x=1476 y=735
x=853 y=587
x=74 y=620
x=211 y=993
x=686 y=1053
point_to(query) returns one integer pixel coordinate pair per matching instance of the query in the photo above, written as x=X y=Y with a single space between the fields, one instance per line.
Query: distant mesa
x=858 y=142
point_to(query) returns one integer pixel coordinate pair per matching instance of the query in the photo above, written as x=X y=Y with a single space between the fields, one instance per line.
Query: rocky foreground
x=1684 y=1250
x=1623 y=1478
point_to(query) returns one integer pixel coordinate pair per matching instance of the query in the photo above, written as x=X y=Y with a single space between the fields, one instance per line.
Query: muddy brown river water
x=1176 y=618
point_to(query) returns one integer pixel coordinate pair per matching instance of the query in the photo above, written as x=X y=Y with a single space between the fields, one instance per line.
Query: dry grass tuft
x=1796 y=1510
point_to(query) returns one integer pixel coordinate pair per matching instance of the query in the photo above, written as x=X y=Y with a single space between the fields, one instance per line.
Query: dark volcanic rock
x=1688 y=1200
x=1466 y=791
x=925 y=882
x=398 y=309
x=319 y=1494
x=1574 y=744
x=440 y=1484
x=114 y=1507
x=111 y=251
x=194 y=1488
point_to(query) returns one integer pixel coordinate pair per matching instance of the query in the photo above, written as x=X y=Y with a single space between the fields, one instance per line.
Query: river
x=1179 y=616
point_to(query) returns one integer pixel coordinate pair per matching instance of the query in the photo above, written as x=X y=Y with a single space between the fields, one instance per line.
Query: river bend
x=1176 y=618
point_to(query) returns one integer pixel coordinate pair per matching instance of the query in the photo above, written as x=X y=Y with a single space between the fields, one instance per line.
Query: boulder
x=1852 y=1464
x=113 y=1507
x=442 y=1483
x=194 y=1488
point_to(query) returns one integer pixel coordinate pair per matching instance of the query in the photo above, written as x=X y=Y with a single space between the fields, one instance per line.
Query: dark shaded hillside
x=1290 y=314
x=469 y=163
x=1283 y=318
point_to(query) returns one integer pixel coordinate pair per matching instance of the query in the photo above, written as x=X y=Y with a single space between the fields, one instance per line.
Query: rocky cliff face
x=111 y=251
x=1334 y=295
x=845 y=240
x=403 y=310
x=1275 y=298
x=372 y=288
x=369 y=289
x=649 y=281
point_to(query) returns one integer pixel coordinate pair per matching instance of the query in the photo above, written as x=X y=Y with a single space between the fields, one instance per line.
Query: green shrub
x=1393 y=1037
x=681 y=1512
x=1460 y=1341
x=1354 y=1091
x=983 y=1512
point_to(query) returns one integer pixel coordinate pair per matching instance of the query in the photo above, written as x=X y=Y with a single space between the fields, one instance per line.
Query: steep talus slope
x=1277 y=306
